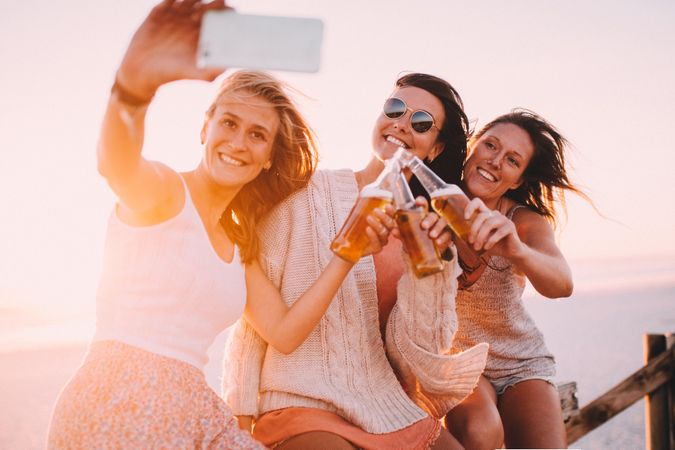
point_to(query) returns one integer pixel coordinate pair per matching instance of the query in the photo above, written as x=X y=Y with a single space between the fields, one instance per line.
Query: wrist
x=123 y=95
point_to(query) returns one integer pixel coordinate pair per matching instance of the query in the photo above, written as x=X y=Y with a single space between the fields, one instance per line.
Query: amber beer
x=423 y=254
x=352 y=240
x=450 y=203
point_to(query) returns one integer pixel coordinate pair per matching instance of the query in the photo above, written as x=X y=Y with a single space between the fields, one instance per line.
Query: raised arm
x=528 y=242
x=162 y=50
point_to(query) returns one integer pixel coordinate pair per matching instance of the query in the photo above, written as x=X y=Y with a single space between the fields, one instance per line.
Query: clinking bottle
x=447 y=200
x=423 y=254
x=352 y=240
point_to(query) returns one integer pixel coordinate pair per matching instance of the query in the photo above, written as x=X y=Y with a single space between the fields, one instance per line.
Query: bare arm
x=162 y=50
x=284 y=327
x=528 y=242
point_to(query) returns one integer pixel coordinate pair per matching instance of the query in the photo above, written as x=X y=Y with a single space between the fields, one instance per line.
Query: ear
x=267 y=165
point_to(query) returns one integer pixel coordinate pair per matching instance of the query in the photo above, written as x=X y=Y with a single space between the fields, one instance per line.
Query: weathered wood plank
x=569 y=403
x=658 y=419
x=647 y=379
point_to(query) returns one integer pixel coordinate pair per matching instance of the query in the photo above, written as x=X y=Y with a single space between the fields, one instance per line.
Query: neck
x=209 y=198
x=369 y=173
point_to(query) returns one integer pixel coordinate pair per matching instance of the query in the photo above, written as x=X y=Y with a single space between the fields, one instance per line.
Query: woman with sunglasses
x=514 y=173
x=342 y=388
x=180 y=263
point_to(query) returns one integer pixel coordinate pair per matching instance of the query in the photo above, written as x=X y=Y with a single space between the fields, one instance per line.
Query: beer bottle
x=448 y=200
x=421 y=249
x=352 y=240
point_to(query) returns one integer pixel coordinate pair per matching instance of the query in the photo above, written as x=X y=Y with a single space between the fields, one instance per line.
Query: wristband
x=126 y=97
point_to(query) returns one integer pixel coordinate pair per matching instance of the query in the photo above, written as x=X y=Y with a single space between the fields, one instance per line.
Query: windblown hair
x=454 y=132
x=545 y=178
x=294 y=159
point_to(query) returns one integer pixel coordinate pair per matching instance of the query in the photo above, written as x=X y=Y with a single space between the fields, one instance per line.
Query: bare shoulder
x=529 y=222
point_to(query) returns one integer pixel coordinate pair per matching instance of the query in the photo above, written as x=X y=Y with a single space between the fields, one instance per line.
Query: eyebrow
x=517 y=153
x=255 y=125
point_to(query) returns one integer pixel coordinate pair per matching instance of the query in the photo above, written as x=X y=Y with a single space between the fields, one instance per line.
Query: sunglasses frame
x=412 y=113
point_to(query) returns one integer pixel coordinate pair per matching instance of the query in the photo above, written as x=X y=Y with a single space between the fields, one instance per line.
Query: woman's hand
x=380 y=225
x=164 y=48
x=436 y=226
x=491 y=230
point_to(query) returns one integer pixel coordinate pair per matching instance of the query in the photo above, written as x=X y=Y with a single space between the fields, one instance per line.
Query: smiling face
x=390 y=134
x=497 y=162
x=238 y=139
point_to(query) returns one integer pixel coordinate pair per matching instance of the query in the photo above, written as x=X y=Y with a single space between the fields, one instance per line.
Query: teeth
x=226 y=159
x=487 y=175
x=397 y=142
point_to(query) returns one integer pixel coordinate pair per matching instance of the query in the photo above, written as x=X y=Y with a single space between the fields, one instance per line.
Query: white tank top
x=164 y=288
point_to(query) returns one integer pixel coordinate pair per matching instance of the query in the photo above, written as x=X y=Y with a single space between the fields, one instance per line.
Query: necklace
x=499 y=204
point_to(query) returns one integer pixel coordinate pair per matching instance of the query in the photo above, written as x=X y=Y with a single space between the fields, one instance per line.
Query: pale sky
x=603 y=72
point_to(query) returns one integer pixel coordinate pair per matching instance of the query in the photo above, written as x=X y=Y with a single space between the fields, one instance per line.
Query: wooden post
x=659 y=414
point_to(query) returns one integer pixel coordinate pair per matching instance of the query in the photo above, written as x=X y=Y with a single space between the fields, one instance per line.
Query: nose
x=401 y=123
x=237 y=140
x=495 y=160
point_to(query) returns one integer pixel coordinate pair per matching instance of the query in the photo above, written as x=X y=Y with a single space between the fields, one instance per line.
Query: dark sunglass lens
x=394 y=108
x=421 y=121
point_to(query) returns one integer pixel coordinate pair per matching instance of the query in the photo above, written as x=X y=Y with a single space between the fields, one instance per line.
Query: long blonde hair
x=294 y=159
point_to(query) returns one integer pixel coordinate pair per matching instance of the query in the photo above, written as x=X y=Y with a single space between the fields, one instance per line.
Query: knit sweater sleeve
x=419 y=341
x=242 y=364
x=245 y=349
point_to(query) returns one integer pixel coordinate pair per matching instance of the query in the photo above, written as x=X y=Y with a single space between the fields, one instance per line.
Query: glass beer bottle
x=447 y=200
x=352 y=240
x=421 y=249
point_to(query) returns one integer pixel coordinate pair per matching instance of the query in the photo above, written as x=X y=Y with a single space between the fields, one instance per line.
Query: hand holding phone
x=229 y=39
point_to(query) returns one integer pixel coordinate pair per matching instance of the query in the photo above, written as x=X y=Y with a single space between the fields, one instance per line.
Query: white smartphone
x=229 y=39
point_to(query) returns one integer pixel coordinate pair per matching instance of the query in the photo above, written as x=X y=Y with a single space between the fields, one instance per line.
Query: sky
x=603 y=72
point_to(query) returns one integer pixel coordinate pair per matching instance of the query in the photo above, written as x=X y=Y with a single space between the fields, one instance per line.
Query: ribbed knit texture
x=492 y=311
x=165 y=290
x=342 y=366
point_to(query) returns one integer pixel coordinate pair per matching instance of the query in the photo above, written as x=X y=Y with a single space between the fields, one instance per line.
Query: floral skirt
x=126 y=398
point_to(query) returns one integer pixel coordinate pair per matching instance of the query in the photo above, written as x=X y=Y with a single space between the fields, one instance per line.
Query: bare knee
x=476 y=428
x=476 y=422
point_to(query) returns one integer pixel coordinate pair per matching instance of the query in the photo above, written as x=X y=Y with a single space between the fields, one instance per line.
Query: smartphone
x=229 y=39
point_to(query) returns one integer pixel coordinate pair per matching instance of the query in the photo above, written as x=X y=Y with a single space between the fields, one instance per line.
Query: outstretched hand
x=492 y=230
x=164 y=48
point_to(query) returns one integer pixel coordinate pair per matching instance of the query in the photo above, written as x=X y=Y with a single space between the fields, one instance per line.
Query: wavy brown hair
x=545 y=178
x=294 y=159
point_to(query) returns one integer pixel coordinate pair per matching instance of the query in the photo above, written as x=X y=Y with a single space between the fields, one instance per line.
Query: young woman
x=514 y=173
x=339 y=389
x=181 y=251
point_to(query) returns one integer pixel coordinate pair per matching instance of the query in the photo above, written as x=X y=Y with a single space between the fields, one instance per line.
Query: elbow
x=563 y=290
x=566 y=290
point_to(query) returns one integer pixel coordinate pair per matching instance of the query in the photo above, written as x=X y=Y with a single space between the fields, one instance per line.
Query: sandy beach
x=596 y=336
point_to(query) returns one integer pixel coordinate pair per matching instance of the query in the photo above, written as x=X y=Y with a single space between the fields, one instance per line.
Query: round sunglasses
x=420 y=120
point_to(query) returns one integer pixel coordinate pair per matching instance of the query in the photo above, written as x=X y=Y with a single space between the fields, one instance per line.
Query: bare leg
x=532 y=417
x=476 y=422
x=316 y=440
x=446 y=441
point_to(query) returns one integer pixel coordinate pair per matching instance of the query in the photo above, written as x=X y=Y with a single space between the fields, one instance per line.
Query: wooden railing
x=655 y=380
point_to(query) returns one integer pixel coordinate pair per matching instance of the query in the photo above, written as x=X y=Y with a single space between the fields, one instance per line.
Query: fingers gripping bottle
x=421 y=249
x=448 y=200
x=352 y=240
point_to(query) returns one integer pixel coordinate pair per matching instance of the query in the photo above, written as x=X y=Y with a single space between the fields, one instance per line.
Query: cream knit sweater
x=343 y=366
